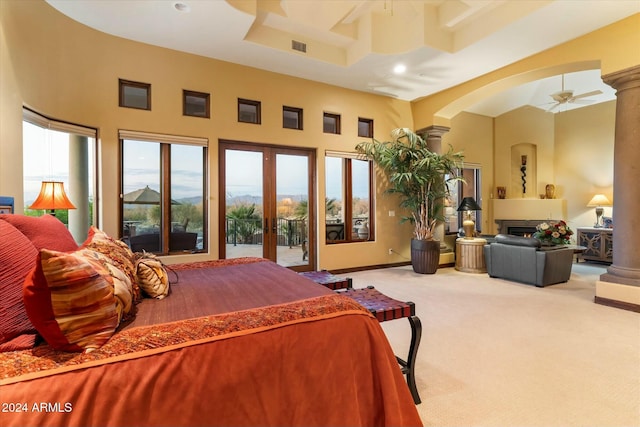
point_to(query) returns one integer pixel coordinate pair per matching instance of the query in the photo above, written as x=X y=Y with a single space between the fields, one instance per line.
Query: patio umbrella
x=145 y=196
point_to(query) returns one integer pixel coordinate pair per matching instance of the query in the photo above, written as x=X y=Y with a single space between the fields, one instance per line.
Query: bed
x=236 y=342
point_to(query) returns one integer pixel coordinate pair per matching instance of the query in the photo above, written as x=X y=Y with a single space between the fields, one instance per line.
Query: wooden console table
x=598 y=243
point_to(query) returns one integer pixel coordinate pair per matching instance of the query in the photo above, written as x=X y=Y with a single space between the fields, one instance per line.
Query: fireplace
x=518 y=227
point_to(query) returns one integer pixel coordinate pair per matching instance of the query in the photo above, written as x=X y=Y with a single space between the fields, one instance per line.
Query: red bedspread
x=316 y=359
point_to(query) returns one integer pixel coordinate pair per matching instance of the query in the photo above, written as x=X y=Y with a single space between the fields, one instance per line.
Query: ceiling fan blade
x=584 y=95
x=583 y=101
x=553 y=107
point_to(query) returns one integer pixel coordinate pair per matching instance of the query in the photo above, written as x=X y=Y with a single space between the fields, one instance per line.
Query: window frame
x=295 y=110
x=347 y=203
x=122 y=98
x=336 y=122
x=48 y=123
x=200 y=95
x=165 y=141
x=369 y=124
x=251 y=103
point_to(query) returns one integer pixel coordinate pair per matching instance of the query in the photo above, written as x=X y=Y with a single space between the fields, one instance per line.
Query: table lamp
x=468 y=205
x=52 y=196
x=599 y=200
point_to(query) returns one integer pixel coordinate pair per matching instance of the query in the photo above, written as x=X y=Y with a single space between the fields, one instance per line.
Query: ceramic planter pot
x=425 y=256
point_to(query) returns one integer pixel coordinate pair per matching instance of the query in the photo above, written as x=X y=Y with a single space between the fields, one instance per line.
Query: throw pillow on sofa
x=70 y=300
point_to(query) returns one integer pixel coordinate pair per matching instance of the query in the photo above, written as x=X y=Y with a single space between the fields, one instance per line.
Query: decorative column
x=79 y=186
x=620 y=285
x=433 y=137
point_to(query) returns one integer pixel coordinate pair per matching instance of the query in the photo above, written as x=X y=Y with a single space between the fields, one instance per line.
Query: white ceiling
x=356 y=43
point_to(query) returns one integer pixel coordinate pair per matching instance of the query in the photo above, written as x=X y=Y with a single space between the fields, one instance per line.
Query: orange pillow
x=69 y=298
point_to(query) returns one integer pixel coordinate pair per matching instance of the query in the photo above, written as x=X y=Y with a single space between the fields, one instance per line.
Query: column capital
x=624 y=79
x=433 y=131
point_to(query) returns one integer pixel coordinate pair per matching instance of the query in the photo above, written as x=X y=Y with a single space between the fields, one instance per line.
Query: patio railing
x=291 y=232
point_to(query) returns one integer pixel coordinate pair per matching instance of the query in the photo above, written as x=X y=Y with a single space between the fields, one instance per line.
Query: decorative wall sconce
x=523 y=171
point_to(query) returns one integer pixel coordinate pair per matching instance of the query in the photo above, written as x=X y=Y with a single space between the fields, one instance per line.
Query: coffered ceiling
x=357 y=43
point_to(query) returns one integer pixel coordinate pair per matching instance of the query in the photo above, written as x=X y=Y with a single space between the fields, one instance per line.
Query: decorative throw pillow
x=17 y=257
x=122 y=286
x=152 y=276
x=45 y=232
x=69 y=299
x=118 y=252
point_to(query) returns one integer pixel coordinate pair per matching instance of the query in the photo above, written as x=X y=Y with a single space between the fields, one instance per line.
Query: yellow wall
x=611 y=48
x=583 y=159
x=69 y=72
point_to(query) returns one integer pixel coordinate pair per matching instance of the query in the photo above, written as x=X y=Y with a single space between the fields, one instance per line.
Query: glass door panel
x=244 y=207
x=269 y=204
x=292 y=209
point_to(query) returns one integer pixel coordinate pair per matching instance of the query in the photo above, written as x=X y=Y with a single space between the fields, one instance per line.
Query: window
x=59 y=151
x=249 y=111
x=163 y=203
x=195 y=104
x=135 y=94
x=365 y=127
x=471 y=187
x=292 y=118
x=349 y=213
x=331 y=123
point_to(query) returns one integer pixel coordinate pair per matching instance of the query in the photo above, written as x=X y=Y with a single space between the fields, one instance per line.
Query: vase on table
x=550 y=191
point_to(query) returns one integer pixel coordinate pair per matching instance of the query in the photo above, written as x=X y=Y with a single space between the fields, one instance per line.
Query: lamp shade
x=599 y=200
x=52 y=196
x=469 y=204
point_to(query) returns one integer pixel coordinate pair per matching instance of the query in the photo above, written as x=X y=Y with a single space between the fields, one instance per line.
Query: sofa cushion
x=508 y=239
x=17 y=258
x=45 y=232
x=70 y=300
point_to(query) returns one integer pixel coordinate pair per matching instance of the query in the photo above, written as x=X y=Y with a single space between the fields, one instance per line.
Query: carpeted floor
x=501 y=353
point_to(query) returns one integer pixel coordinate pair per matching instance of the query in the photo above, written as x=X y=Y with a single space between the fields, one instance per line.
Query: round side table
x=470 y=255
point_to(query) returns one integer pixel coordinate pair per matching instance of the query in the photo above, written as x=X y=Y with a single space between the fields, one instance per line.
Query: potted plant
x=420 y=178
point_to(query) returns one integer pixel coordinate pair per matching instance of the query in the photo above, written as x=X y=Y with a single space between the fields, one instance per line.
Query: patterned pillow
x=152 y=276
x=122 y=286
x=69 y=299
x=118 y=252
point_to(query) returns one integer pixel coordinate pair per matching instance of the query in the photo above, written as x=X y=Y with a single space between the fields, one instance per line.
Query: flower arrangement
x=555 y=233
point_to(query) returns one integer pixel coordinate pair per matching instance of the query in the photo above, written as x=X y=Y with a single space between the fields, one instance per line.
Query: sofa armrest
x=553 y=266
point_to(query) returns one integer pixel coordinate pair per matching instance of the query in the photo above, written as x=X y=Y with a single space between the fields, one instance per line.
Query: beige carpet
x=501 y=353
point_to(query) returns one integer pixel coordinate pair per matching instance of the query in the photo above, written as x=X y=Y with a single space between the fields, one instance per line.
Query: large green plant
x=417 y=175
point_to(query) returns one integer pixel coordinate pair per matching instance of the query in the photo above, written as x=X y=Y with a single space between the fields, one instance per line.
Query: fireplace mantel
x=526 y=213
x=529 y=209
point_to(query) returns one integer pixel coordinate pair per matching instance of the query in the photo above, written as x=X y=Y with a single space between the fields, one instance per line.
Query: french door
x=267 y=203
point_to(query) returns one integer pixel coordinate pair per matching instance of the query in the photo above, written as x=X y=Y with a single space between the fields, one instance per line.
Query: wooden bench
x=385 y=308
x=323 y=277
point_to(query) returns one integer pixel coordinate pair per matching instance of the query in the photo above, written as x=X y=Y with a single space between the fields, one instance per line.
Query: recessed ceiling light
x=182 y=7
x=399 y=69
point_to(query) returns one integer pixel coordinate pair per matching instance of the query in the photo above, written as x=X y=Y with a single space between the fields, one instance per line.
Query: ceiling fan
x=567 y=97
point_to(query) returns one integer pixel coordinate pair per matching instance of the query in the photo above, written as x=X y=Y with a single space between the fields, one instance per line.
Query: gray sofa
x=523 y=259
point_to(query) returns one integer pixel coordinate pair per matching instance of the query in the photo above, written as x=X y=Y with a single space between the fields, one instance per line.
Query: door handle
x=274 y=225
x=266 y=226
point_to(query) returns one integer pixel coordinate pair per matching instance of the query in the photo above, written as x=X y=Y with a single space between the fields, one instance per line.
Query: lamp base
x=469 y=228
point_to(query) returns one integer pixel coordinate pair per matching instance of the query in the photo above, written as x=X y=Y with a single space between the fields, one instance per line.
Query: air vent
x=299 y=46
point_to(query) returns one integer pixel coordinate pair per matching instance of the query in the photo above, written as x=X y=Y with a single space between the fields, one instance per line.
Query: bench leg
x=408 y=366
